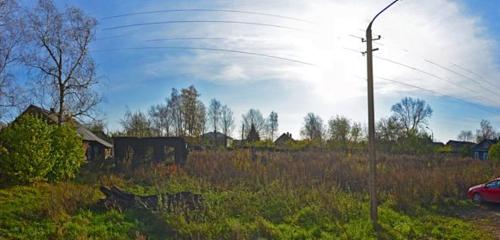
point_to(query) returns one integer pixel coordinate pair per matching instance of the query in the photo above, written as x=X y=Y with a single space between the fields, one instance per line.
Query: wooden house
x=96 y=149
x=480 y=150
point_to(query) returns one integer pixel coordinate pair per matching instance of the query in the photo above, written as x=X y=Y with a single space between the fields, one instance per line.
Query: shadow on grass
x=494 y=207
x=153 y=225
x=150 y=225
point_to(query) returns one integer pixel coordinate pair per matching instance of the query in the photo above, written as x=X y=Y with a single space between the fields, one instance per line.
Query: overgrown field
x=279 y=195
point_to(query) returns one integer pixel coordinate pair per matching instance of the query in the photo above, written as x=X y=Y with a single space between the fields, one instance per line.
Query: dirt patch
x=485 y=216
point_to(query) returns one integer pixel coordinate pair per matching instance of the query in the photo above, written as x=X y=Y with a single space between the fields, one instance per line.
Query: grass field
x=300 y=195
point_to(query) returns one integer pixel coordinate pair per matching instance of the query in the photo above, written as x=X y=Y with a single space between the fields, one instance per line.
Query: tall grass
x=269 y=195
x=407 y=181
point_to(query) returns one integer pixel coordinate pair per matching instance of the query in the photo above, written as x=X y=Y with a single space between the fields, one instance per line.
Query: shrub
x=67 y=153
x=494 y=153
x=32 y=150
x=26 y=148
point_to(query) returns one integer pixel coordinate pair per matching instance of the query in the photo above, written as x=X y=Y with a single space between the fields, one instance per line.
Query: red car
x=487 y=192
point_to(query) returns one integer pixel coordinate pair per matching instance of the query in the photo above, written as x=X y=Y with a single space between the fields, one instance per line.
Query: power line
x=209 y=10
x=210 y=49
x=450 y=70
x=431 y=91
x=203 y=21
x=165 y=39
x=185 y=38
x=424 y=72
x=459 y=74
x=473 y=73
x=435 y=92
x=432 y=75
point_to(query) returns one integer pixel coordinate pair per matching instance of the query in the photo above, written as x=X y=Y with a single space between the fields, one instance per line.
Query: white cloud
x=413 y=33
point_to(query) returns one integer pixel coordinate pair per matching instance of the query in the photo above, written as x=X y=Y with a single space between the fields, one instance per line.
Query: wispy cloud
x=432 y=44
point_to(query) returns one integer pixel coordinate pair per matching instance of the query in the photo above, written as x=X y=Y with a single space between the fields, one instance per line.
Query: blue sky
x=428 y=35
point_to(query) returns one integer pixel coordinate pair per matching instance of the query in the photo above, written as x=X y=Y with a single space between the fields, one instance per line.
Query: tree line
x=183 y=114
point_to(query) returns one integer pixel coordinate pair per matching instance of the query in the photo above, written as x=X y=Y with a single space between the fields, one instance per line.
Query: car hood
x=476 y=187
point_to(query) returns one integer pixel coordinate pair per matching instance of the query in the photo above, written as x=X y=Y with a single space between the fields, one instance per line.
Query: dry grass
x=64 y=199
x=407 y=181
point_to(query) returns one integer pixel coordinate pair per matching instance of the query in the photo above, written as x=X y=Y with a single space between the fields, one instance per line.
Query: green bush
x=67 y=153
x=32 y=150
x=494 y=153
x=26 y=149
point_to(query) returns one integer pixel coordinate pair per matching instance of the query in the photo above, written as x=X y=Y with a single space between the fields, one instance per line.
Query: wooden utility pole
x=372 y=158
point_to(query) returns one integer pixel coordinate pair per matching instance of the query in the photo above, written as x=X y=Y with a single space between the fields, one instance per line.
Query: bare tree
x=201 y=118
x=272 y=125
x=253 y=116
x=227 y=122
x=413 y=114
x=465 y=136
x=136 y=124
x=160 y=118
x=339 y=129
x=356 y=132
x=313 y=127
x=60 y=54
x=389 y=129
x=174 y=104
x=214 y=114
x=486 y=131
x=11 y=39
x=343 y=133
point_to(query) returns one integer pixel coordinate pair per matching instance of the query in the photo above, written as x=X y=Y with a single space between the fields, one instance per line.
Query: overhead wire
x=209 y=49
x=483 y=80
x=447 y=69
x=203 y=21
x=435 y=92
x=456 y=99
x=425 y=72
x=185 y=38
x=433 y=75
x=210 y=10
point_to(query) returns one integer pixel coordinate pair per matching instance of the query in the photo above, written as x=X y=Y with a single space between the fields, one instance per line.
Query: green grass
x=252 y=201
x=273 y=212
x=24 y=215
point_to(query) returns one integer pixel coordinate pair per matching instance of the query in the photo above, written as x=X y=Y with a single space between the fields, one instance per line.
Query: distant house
x=284 y=140
x=459 y=147
x=96 y=149
x=480 y=150
x=216 y=139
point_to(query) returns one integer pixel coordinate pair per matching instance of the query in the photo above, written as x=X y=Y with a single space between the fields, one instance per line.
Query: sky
x=300 y=56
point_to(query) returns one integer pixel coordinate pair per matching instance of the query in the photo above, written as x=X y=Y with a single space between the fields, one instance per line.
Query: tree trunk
x=61 y=104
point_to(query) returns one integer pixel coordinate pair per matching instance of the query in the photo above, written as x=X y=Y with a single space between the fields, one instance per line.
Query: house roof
x=86 y=134
x=484 y=145
x=459 y=143
x=285 y=137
